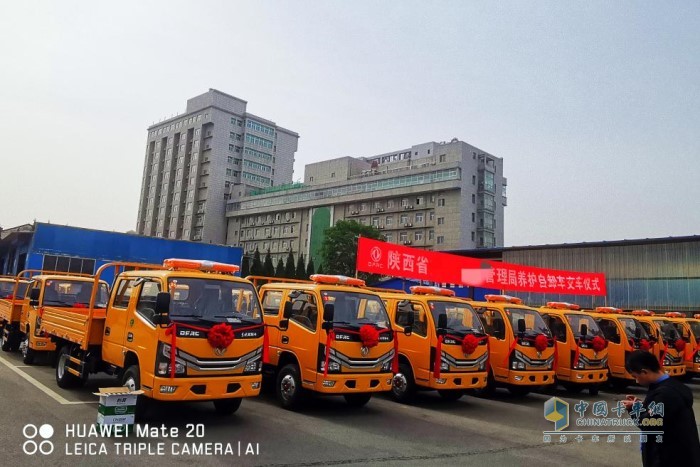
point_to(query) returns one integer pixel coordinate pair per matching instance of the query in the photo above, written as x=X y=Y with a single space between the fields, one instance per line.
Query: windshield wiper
x=56 y=303
x=243 y=320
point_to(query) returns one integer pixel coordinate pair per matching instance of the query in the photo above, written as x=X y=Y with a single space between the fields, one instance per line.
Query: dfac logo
x=557 y=411
x=30 y=447
x=376 y=254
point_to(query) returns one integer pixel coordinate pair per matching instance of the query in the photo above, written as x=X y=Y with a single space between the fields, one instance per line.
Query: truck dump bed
x=74 y=325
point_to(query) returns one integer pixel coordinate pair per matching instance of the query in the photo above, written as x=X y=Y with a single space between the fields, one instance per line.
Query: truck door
x=420 y=344
x=612 y=330
x=499 y=345
x=116 y=320
x=301 y=336
x=272 y=301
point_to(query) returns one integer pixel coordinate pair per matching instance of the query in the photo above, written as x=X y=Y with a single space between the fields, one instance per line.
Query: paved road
x=502 y=430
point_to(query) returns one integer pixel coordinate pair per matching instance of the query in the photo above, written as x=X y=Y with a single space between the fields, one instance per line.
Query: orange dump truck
x=521 y=346
x=665 y=338
x=582 y=350
x=330 y=336
x=12 y=297
x=189 y=330
x=446 y=347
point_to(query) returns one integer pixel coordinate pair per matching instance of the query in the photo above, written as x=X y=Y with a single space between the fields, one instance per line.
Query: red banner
x=388 y=259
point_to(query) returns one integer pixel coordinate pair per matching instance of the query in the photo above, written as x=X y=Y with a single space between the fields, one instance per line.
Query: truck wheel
x=357 y=400
x=227 y=406
x=132 y=380
x=289 y=390
x=5 y=340
x=403 y=387
x=451 y=394
x=65 y=379
x=28 y=354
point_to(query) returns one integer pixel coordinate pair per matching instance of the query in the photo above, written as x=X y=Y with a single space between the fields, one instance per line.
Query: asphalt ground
x=501 y=430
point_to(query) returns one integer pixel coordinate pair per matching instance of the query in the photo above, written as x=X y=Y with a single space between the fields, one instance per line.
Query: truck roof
x=317 y=286
x=165 y=273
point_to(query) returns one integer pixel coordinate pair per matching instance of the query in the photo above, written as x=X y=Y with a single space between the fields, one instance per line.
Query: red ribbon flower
x=220 y=336
x=679 y=345
x=469 y=344
x=644 y=345
x=541 y=342
x=598 y=343
x=369 y=336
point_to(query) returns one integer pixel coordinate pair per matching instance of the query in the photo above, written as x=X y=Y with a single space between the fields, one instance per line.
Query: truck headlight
x=444 y=366
x=386 y=366
x=252 y=366
x=518 y=365
x=580 y=365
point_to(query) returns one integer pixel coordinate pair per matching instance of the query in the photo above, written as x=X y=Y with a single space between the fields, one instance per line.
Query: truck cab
x=692 y=351
x=51 y=293
x=330 y=335
x=446 y=347
x=12 y=298
x=187 y=331
x=582 y=350
x=521 y=345
x=671 y=344
x=624 y=334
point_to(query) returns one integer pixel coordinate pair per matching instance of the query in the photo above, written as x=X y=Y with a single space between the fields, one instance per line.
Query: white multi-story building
x=197 y=161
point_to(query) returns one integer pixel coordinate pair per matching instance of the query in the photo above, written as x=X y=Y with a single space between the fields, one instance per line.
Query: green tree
x=256 y=269
x=279 y=270
x=339 y=247
x=268 y=267
x=310 y=268
x=289 y=270
x=301 y=269
x=245 y=266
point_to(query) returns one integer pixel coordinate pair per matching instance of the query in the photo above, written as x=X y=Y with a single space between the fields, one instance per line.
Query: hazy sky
x=594 y=106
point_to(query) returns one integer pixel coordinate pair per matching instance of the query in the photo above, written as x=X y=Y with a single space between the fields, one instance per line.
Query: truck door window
x=271 y=302
x=420 y=318
x=305 y=311
x=493 y=322
x=124 y=290
x=610 y=330
x=146 y=305
x=558 y=328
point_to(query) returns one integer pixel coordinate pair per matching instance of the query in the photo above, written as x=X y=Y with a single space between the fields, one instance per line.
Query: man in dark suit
x=668 y=407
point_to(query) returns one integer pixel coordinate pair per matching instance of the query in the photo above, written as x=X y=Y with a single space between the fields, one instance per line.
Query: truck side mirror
x=34 y=297
x=328 y=316
x=522 y=327
x=442 y=324
x=410 y=319
x=584 y=330
x=287 y=311
x=637 y=333
x=162 y=303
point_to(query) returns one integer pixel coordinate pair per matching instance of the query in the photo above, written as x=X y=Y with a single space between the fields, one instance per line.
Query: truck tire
x=64 y=378
x=28 y=353
x=5 y=340
x=403 y=388
x=227 y=406
x=357 y=400
x=131 y=378
x=451 y=394
x=288 y=388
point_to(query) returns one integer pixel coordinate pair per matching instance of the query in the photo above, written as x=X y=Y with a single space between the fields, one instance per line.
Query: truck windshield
x=576 y=321
x=356 y=308
x=534 y=324
x=214 y=300
x=670 y=331
x=631 y=325
x=6 y=289
x=73 y=294
x=460 y=317
x=695 y=328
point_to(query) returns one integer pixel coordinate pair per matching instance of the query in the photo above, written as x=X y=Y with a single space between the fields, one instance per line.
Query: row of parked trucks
x=191 y=330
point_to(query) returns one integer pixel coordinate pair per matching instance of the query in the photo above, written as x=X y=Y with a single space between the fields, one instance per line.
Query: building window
x=418 y=236
x=431 y=234
x=389 y=237
x=332 y=174
x=473 y=235
x=403 y=237
x=229 y=159
x=229 y=172
x=443 y=157
x=473 y=217
x=403 y=219
x=473 y=199
x=441 y=202
x=419 y=217
x=440 y=240
x=473 y=179
x=375 y=221
x=389 y=221
x=419 y=201
x=363 y=207
x=390 y=204
x=311 y=179
x=431 y=215
x=404 y=202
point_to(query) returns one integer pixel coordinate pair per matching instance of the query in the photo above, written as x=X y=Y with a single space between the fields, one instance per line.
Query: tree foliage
x=256 y=269
x=339 y=247
x=245 y=266
x=310 y=268
x=289 y=269
x=279 y=270
x=268 y=267
x=300 y=272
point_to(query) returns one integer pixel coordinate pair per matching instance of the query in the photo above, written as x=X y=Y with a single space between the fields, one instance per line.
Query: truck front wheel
x=289 y=390
x=28 y=353
x=64 y=378
x=226 y=406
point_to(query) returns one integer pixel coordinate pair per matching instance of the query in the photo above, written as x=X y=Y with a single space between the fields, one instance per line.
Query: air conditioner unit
x=410 y=207
x=269 y=236
x=409 y=225
x=381 y=209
